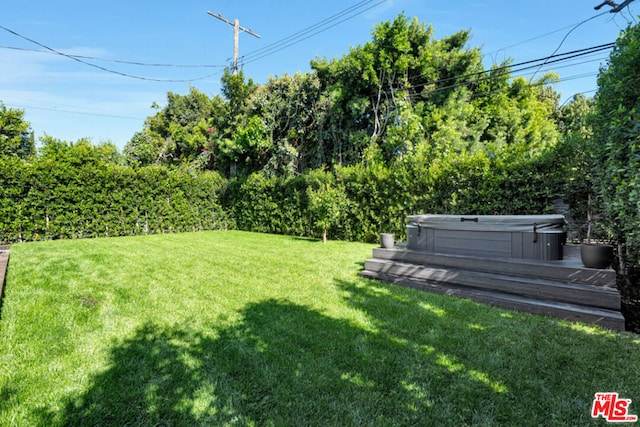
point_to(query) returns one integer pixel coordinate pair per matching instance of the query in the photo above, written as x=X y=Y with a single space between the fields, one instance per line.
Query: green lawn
x=233 y=328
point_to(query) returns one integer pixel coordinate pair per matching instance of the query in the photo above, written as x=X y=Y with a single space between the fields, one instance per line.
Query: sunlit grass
x=227 y=328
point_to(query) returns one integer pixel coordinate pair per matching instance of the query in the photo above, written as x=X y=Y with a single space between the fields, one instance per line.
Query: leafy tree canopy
x=16 y=138
x=402 y=92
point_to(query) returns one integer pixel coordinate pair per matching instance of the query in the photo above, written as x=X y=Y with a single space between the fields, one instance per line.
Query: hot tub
x=505 y=236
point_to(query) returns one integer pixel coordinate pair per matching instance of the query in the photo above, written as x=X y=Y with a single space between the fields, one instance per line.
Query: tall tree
x=232 y=142
x=179 y=133
x=16 y=139
x=289 y=107
x=379 y=93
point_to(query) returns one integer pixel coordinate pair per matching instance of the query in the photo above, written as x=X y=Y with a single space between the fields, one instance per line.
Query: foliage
x=16 y=139
x=380 y=90
x=80 y=190
x=574 y=154
x=405 y=123
x=180 y=133
x=616 y=146
x=269 y=204
x=289 y=107
x=327 y=201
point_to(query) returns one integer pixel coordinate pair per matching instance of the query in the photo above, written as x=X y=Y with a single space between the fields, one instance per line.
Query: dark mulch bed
x=629 y=288
x=631 y=312
x=4 y=263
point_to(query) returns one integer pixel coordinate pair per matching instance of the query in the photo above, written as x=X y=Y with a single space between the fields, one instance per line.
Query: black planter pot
x=596 y=255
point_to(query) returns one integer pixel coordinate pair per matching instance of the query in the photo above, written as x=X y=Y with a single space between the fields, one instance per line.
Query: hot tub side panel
x=485 y=243
x=447 y=237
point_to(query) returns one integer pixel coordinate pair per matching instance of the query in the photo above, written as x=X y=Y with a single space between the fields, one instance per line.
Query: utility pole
x=620 y=7
x=236 y=30
x=615 y=6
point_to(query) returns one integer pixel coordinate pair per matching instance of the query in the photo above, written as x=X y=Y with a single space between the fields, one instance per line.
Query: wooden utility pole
x=236 y=30
x=615 y=6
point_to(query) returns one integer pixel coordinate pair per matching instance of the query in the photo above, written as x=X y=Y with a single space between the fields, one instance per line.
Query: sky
x=85 y=69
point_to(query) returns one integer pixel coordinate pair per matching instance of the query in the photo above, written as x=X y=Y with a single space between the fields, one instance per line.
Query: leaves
x=615 y=146
x=16 y=139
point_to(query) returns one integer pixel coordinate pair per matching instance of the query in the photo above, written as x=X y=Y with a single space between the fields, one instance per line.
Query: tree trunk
x=324 y=236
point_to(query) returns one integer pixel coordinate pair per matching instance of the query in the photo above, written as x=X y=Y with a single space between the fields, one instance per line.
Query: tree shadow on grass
x=290 y=364
x=525 y=372
x=284 y=364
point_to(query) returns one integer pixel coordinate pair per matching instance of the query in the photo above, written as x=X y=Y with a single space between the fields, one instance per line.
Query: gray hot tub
x=504 y=236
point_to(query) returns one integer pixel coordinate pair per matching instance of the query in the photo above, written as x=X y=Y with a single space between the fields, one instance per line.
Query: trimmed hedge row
x=379 y=197
x=49 y=199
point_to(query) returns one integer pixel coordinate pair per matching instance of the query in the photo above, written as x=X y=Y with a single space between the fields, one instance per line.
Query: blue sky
x=67 y=99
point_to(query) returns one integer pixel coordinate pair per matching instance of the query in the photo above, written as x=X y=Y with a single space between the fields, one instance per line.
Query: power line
x=509 y=69
x=567 y=35
x=529 y=40
x=572 y=96
x=84 y=113
x=308 y=32
x=119 y=61
x=119 y=73
x=304 y=31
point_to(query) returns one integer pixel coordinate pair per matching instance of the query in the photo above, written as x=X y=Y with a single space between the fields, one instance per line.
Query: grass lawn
x=233 y=328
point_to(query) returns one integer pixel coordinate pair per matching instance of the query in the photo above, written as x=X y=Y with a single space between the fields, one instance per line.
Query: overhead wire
x=321 y=26
x=99 y=67
x=118 y=61
x=510 y=68
x=311 y=31
x=529 y=40
x=497 y=72
x=567 y=35
x=66 y=111
x=306 y=30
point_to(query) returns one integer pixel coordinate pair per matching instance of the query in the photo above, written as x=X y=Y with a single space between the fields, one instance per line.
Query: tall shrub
x=616 y=151
x=327 y=201
x=616 y=144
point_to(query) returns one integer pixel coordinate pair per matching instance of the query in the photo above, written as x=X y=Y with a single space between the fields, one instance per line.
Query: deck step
x=589 y=295
x=569 y=270
x=611 y=319
x=563 y=289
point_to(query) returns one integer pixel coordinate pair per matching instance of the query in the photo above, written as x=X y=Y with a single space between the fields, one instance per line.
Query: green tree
x=327 y=201
x=80 y=152
x=574 y=116
x=16 y=139
x=229 y=118
x=181 y=132
x=289 y=107
x=616 y=147
x=404 y=88
x=574 y=155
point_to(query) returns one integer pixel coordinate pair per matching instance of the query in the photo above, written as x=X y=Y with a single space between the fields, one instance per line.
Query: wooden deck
x=563 y=289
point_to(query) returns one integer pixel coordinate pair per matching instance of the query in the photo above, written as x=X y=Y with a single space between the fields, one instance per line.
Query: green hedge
x=379 y=196
x=51 y=199
x=48 y=199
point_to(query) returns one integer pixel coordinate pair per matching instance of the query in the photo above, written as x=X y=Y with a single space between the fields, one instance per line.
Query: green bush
x=52 y=199
x=269 y=204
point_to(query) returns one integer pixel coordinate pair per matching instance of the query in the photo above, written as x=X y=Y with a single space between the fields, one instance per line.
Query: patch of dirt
x=89 y=302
